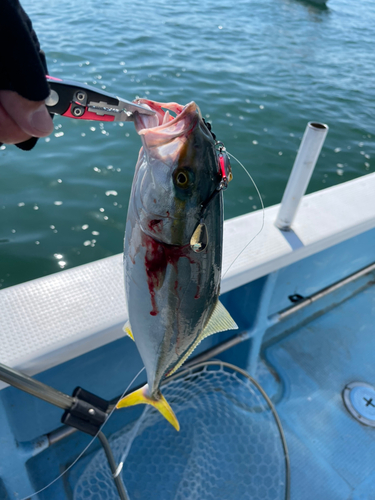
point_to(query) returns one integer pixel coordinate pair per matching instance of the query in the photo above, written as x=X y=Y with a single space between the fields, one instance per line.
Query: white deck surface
x=53 y=319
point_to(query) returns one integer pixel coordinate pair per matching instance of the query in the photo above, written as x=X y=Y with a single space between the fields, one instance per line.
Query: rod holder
x=83 y=411
x=302 y=170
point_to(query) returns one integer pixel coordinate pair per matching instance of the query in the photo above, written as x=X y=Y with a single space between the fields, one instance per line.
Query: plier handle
x=80 y=101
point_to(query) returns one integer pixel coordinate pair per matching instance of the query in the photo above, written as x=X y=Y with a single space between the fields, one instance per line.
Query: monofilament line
x=133 y=435
x=88 y=446
x=263 y=213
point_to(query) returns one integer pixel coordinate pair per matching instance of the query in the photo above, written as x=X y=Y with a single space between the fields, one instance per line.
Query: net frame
x=187 y=375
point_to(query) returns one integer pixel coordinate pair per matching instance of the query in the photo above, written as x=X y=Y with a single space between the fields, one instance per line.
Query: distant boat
x=318 y=2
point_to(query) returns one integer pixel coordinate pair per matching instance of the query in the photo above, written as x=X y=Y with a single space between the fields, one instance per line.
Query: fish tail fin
x=159 y=402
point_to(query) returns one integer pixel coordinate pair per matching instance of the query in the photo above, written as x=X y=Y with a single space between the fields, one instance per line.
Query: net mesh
x=228 y=448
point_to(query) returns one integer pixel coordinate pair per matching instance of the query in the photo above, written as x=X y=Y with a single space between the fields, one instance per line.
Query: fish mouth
x=172 y=139
x=163 y=126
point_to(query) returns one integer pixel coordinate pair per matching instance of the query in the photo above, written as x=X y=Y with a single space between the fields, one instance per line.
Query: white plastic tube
x=303 y=168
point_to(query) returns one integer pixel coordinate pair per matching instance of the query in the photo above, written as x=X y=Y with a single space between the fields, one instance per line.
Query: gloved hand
x=23 y=115
x=21 y=119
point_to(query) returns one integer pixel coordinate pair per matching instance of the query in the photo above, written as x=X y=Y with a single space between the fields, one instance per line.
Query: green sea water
x=258 y=69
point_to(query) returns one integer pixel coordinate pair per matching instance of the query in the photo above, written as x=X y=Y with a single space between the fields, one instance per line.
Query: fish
x=173 y=245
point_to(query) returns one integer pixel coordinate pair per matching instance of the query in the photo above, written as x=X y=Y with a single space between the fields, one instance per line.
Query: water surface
x=259 y=70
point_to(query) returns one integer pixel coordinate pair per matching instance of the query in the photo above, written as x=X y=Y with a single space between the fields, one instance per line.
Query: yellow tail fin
x=160 y=403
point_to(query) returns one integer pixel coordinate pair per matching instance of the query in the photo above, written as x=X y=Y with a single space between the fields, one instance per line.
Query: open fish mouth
x=164 y=126
x=177 y=148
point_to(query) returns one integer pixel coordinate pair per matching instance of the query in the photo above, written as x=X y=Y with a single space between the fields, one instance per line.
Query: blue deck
x=332 y=455
x=306 y=361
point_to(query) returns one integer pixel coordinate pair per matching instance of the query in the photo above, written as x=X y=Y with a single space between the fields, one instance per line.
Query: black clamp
x=296 y=297
x=208 y=125
x=88 y=412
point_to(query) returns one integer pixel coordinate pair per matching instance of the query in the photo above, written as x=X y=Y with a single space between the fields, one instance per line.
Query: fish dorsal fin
x=128 y=330
x=220 y=321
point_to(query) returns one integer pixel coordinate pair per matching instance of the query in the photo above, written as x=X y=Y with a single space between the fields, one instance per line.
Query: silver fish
x=173 y=245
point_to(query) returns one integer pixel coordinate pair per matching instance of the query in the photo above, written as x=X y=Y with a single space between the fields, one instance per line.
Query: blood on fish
x=158 y=256
x=153 y=223
x=156 y=263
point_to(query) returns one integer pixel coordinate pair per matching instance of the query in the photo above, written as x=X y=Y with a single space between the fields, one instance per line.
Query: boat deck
x=305 y=370
x=66 y=331
x=332 y=455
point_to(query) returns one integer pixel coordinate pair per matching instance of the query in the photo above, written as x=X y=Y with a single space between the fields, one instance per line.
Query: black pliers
x=80 y=101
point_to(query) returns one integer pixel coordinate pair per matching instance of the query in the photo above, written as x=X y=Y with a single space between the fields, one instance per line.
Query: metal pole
x=35 y=388
x=326 y=291
x=112 y=465
x=303 y=168
x=46 y=393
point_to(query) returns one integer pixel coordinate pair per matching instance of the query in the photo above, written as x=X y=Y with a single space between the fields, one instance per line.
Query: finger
x=10 y=132
x=31 y=116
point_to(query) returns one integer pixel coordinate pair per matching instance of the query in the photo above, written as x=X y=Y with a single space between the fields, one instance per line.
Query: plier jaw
x=80 y=101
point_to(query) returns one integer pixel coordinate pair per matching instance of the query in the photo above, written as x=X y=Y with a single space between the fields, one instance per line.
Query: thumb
x=31 y=116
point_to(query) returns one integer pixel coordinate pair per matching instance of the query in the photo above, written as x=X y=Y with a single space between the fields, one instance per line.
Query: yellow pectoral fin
x=127 y=329
x=220 y=321
x=160 y=403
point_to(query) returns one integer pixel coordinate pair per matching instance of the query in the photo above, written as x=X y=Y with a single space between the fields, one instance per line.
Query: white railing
x=303 y=168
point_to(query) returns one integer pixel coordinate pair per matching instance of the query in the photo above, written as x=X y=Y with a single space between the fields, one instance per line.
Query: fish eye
x=182 y=178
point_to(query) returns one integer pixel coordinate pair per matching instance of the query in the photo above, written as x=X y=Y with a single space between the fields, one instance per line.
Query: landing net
x=230 y=446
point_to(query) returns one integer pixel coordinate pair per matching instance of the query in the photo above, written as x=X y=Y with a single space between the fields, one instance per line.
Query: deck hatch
x=359 y=399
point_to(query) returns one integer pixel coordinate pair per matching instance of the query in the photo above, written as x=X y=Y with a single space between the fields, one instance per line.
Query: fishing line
x=133 y=435
x=263 y=212
x=88 y=446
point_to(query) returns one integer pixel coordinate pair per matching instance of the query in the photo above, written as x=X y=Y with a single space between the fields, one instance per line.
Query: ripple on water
x=260 y=74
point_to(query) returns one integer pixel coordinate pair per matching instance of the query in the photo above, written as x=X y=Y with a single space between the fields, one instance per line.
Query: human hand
x=21 y=119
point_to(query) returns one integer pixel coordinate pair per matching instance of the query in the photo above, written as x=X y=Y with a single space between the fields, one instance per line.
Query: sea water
x=258 y=69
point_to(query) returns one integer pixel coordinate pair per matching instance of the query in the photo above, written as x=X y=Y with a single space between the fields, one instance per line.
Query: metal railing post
x=35 y=388
x=303 y=168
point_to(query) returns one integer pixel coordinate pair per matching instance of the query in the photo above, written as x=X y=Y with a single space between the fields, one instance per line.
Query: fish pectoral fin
x=220 y=321
x=159 y=402
x=127 y=329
